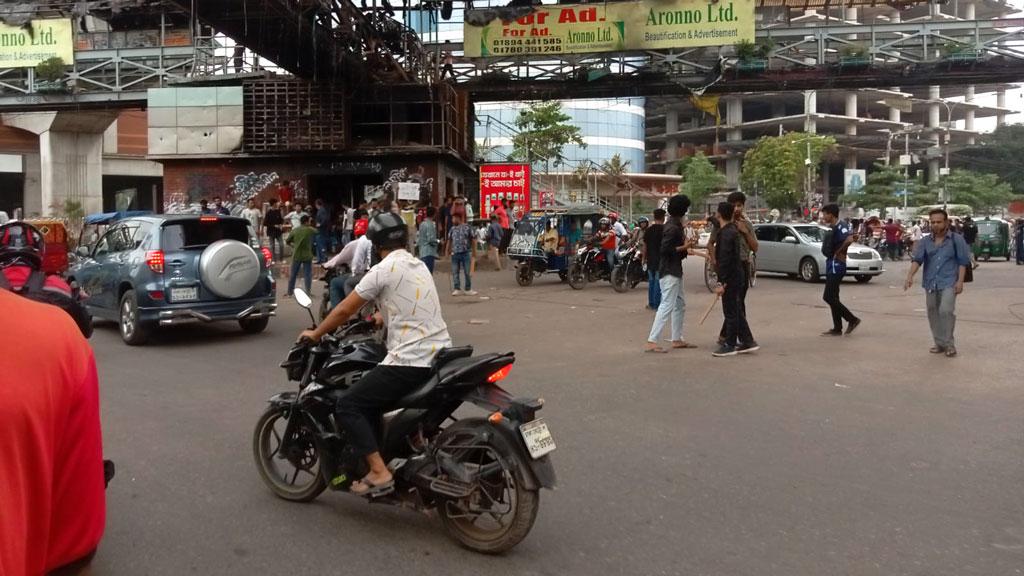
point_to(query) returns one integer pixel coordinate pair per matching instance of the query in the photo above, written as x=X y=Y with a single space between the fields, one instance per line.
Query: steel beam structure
x=799 y=58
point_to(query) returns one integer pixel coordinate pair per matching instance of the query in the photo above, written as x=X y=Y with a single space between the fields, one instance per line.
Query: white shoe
x=456 y=292
x=471 y=292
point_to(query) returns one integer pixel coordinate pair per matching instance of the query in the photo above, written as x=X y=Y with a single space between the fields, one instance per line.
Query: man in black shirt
x=272 y=221
x=970 y=236
x=674 y=248
x=732 y=284
x=652 y=256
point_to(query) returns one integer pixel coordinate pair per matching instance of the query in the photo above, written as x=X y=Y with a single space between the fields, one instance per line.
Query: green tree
x=883 y=189
x=700 y=178
x=986 y=193
x=776 y=166
x=616 y=170
x=544 y=132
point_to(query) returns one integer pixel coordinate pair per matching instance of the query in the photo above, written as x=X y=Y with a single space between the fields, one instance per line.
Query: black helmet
x=387 y=230
x=20 y=241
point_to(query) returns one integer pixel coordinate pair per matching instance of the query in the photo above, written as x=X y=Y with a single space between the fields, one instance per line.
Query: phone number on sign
x=526 y=45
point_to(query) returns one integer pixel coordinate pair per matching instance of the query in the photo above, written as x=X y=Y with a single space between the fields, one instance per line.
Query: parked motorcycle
x=481 y=474
x=590 y=265
x=629 y=271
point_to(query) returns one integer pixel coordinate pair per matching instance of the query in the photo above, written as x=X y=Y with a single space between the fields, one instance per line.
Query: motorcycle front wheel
x=282 y=472
x=710 y=277
x=577 y=276
x=499 y=512
x=619 y=282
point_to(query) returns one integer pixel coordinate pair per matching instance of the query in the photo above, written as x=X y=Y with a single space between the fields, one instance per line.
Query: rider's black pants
x=359 y=411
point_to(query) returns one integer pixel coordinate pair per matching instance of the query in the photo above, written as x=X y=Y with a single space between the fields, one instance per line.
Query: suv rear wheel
x=133 y=331
x=254 y=325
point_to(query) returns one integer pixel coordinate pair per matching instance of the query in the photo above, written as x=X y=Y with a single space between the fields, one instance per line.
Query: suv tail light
x=268 y=257
x=155 y=259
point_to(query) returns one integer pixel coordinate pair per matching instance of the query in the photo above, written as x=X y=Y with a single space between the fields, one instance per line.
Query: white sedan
x=795 y=249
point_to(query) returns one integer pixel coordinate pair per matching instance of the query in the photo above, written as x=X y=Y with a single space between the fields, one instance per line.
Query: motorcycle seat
x=446 y=355
x=443 y=375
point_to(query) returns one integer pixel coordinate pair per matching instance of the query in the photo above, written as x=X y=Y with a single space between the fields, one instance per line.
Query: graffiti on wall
x=390 y=186
x=233 y=189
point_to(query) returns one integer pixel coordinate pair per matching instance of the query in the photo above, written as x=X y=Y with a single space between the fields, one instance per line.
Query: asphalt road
x=859 y=455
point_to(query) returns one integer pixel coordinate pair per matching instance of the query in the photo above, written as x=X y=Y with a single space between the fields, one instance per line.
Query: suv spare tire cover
x=229 y=268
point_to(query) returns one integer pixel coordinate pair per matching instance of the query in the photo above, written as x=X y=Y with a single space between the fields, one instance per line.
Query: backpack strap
x=35 y=282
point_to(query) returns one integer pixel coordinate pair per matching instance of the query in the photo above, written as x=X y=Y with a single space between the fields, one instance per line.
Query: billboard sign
x=609 y=27
x=854 y=181
x=26 y=47
x=505 y=182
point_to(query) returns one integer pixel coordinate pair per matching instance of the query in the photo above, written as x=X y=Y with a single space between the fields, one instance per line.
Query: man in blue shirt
x=323 y=230
x=834 y=248
x=945 y=257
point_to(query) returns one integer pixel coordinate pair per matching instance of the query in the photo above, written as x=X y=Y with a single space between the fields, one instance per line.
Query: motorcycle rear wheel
x=503 y=489
x=619 y=282
x=577 y=277
x=266 y=443
x=524 y=274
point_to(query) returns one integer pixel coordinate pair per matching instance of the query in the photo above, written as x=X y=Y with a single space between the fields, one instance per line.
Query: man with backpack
x=21 y=261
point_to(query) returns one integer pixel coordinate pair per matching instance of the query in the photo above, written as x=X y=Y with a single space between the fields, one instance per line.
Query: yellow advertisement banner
x=610 y=27
x=22 y=47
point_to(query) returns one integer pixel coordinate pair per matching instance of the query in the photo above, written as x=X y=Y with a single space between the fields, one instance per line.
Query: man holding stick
x=732 y=280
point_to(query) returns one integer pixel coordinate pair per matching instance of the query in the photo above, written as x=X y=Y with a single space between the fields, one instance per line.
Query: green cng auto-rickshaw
x=993 y=239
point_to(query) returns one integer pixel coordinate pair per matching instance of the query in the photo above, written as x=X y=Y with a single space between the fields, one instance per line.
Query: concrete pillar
x=934 y=10
x=671 y=144
x=969 y=11
x=969 y=113
x=895 y=16
x=70 y=156
x=810 y=109
x=1001 y=103
x=110 y=139
x=851 y=14
x=33 y=191
x=894 y=113
x=851 y=111
x=733 y=119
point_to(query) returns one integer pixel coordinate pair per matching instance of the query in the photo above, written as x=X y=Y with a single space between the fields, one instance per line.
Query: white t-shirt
x=404 y=290
x=620 y=232
x=253 y=216
x=295 y=218
x=915 y=233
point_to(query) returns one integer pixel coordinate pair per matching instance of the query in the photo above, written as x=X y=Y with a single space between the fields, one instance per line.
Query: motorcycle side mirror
x=302 y=298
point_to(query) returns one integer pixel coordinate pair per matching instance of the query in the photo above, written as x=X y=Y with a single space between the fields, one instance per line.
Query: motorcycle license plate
x=184 y=294
x=537 y=438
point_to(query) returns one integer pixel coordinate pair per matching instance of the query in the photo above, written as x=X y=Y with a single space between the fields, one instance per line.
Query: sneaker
x=747 y=348
x=470 y=292
x=852 y=326
x=724 y=350
x=832 y=333
x=456 y=292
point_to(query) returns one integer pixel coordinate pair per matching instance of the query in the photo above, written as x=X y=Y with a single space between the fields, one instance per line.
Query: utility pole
x=906 y=172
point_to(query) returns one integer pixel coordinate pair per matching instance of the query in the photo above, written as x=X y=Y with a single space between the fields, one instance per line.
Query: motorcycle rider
x=404 y=291
x=637 y=235
x=21 y=262
x=606 y=239
x=356 y=255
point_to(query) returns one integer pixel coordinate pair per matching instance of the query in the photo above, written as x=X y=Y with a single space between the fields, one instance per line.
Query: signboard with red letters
x=508 y=182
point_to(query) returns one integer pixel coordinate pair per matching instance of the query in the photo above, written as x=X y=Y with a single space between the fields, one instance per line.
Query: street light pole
x=906 y=171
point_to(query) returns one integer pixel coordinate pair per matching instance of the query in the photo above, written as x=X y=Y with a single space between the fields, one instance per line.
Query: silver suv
x=162 y=270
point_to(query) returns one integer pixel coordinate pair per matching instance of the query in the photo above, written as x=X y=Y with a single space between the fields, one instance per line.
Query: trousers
x=941 y=306
x=831 y=297
x=672 y=307
x=461 y=261
x=307 y=277
x=737 y=331
x=744 y=285
x=653 y=289
x=360 y=409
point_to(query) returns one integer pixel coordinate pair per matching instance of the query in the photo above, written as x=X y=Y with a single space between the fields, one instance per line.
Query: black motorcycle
x=481 y=474
x=590 y=265
x=629 y=271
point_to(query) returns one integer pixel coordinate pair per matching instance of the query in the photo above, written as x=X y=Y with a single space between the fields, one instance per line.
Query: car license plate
x=184 y=294
x=537 y=437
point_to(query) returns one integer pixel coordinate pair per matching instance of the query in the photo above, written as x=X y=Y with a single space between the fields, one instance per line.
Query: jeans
x=673 y=305
x=893 y=249
x=460 y=261
x=653 y=289
x=743 y=286
x=277 y=248
x=308 y=265
x=610 y=256
x=323 y=240
x=429 y=261
x=831 y=297
x=737 y=331
x=338 y=288
x=942 y=316
x=359 y=410
x=1020 y=253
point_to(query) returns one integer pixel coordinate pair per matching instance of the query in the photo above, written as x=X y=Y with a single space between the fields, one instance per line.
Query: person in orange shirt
x=52 y=503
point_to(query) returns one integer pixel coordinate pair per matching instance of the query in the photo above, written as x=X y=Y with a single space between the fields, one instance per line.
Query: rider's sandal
x=374 y=490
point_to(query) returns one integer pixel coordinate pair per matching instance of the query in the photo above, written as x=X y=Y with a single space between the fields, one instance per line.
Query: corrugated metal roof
x=822 y=4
